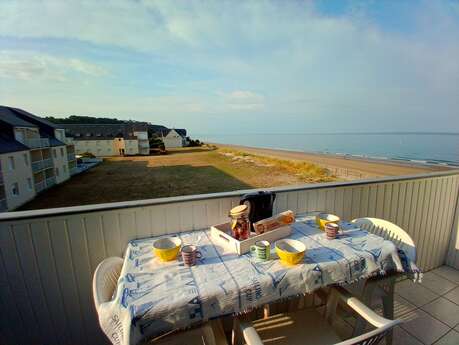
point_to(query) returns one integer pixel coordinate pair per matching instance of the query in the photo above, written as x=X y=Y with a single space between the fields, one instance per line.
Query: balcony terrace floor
x=429 y=310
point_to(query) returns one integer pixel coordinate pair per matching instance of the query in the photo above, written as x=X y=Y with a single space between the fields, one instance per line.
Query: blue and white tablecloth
x=153 y=297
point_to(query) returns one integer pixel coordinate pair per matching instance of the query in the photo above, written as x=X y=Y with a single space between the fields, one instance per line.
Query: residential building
x=173 y=138
x=34 y=156
x=109 y=139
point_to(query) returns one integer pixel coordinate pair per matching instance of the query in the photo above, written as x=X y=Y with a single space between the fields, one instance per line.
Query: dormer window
x=88 y=134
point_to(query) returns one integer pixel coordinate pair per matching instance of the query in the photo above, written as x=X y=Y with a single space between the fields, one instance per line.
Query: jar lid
x=239 y=210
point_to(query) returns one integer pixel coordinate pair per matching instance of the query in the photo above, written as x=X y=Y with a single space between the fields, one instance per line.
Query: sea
x=420 y=148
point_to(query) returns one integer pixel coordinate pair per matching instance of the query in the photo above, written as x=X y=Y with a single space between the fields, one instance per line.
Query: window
x=57 y=171
x=26 y=159
x=62 y=152
x=11 y=163
x=15 y=189
x=54 y=153
x=29 y=183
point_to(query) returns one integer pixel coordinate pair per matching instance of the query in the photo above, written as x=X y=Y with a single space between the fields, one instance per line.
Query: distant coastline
x=340 y=164
x=412 y=148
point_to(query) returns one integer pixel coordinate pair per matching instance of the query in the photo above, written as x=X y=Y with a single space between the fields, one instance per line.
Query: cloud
x=272 y=58
x=243 y=100
x=26 y=65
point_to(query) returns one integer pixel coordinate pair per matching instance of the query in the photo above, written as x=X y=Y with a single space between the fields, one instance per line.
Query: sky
x=236 y=67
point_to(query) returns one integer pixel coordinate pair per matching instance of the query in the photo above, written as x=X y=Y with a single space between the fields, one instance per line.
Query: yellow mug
x=167 y=249
x=324 y=218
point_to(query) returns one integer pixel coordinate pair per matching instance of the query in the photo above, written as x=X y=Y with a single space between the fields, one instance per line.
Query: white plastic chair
x=105 y=280
x=308 y=326
x=104 y=284
x=382 y=286
x=391 y=232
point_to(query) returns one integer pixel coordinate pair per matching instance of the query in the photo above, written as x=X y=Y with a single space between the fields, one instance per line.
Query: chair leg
x=388 y=306
x=366 y=297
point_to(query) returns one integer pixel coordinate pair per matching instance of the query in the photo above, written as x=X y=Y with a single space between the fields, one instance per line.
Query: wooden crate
x=221 y=233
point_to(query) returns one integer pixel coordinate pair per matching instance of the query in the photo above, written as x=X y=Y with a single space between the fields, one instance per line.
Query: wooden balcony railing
x=47 y=257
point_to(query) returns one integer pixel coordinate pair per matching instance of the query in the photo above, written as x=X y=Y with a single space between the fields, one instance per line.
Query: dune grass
x=305 y=171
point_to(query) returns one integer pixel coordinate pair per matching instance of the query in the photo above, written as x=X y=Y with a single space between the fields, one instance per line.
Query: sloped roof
x=33 y=118
x=103 y=131
x=10 y=117
x=180 y=131
x=9 y=144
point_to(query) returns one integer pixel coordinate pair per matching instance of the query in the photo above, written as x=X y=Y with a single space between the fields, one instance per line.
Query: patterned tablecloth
x=153 y=297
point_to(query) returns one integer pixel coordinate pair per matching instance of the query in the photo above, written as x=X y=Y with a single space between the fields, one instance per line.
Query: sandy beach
x=344 y=166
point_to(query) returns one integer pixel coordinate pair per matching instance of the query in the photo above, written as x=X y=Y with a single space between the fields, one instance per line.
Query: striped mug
x=189 y=255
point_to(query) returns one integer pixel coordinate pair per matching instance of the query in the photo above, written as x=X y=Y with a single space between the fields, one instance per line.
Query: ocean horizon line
x=332 y=133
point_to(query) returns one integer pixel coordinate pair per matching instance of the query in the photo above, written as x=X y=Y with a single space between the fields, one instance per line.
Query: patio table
x=154 y=297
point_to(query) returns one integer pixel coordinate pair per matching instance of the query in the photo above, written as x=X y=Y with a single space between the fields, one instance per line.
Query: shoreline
x=345 y=166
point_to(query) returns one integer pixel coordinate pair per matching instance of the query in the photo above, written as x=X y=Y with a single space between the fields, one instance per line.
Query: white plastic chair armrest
x=368 y=314
x=249 y=333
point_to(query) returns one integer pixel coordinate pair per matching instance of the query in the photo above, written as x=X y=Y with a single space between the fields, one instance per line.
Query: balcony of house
x=39 y=182
x=3 y=204
x=36 y=143
x=48 y=257
x=70 y=156
x=50 y=178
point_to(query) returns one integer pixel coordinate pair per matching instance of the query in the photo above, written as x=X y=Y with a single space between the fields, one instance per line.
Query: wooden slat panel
x=303 y=201
x=292 y=201
x=330 y=201
x=199 y=210
x=280 y=203
x=437 y=221
x=83 y=273
x=11 y=323
x=126 y=221
x=400 y=203
x=49 y=278
x=387 y=203
x=142 y=222
x=380 y=199
x=364 y=202
x=95 y=240
x=67 y=282
x=111 y=233
x=158 y=220
x=348 y=199
x=356 y=202
x=407 y=205
x=27 y=259
x=30 y=329
x=339 y=203
x=453 y=222
x=394 y=203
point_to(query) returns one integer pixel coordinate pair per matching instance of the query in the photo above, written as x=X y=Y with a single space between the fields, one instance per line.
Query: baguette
x=277 y=221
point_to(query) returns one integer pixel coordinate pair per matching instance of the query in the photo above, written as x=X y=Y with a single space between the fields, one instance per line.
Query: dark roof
x=180 y=131
x=33 y=118
x=10 y=117
x=103 y=131
x=55 y=142
x=8 y=144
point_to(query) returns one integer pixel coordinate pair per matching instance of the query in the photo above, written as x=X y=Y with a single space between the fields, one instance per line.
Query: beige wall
x=20 y=174
x=96 y=147
x=172 y=139
x=107 y=147
x=61 y=166
x=131 y=147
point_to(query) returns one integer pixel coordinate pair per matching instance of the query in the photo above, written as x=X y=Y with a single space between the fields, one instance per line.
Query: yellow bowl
x=324 y=218
x=290 y=251
x=167 y=249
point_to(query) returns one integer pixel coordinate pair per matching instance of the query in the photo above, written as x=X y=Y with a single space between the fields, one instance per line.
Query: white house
x=174 y=138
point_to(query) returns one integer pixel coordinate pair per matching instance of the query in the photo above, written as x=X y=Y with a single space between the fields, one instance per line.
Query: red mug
x=189 y=255
x=331 y=230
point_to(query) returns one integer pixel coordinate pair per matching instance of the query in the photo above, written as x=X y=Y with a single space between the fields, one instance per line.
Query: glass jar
x=240 y=225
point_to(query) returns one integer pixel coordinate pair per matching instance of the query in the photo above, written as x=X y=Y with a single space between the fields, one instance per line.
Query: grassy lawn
x=181 y=172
